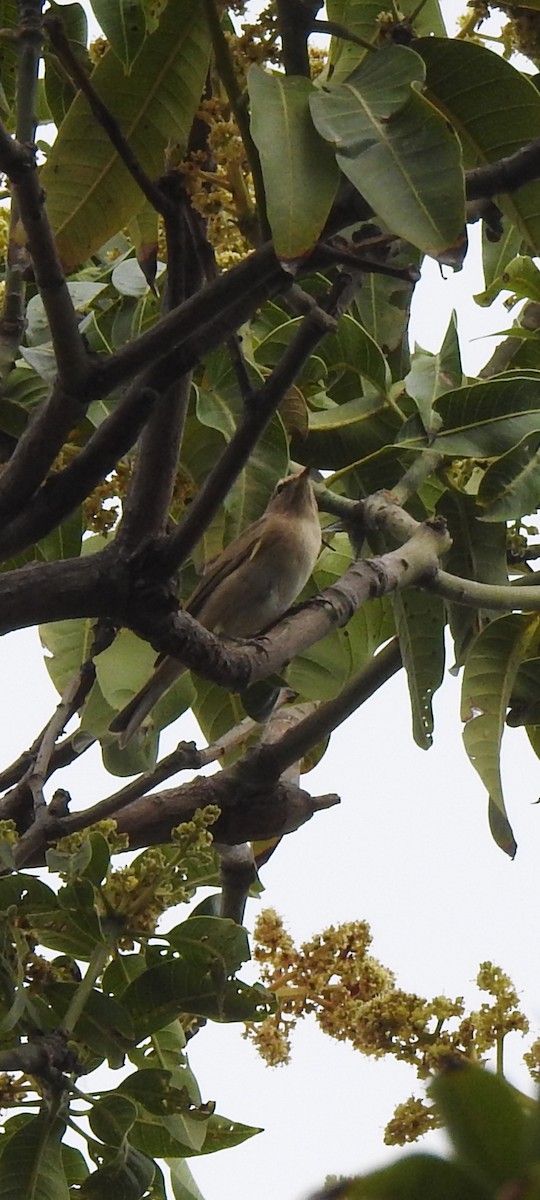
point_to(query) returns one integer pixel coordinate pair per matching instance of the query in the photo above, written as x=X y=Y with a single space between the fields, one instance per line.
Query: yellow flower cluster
x=354 y=998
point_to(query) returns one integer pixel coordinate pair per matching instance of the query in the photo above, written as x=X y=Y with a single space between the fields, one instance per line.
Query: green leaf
x=431 y=375
x=485 y=419
x=124 y=26
x=497 y=255
x=490 y=670
x=494 y=108
x=510 y=487
x=478 y=551
x=486 y=1123
x=69 y=644
x=64 y=541
x=164 y=992
x=203 y=937
x=126 y=1176
x=104 y=1025
x=299 y=169
x=90 y=193
x=387 y=135
x=126 y=665
x=420 y=623
x=362 y=17
x=183 y=1184
x=60 y=91
x=112 y=1117
x=416 y=1177
x=350 y=355
x=32 y=1167
x=320 y=672
x=9 y=59
x=520 y=277
x=222 y=1134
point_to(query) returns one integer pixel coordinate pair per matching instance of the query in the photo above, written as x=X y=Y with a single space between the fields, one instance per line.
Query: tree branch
x=506 y=175
x=261 y=410
x=18 y=163
x=271 y=759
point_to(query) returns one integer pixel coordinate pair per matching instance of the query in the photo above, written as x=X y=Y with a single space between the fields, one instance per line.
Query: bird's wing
x=241 y=550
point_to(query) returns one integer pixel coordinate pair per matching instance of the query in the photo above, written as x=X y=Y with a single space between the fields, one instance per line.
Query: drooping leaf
x=496 y=255
x=420 y=622
x=90 y=193
x=478 y=551
x=494 y=107
x=183 y=1184
x=299 y=169
x=386 y=136
x=490 y=669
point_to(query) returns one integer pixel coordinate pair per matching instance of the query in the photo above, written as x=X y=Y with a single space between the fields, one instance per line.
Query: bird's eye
x=279 y=487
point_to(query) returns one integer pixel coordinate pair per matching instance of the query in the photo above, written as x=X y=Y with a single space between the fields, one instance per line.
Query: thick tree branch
x=506 y=175
x=247 y=814
x=201 y=323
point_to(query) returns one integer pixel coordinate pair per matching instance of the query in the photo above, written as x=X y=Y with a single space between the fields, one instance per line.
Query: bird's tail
x=130 y=718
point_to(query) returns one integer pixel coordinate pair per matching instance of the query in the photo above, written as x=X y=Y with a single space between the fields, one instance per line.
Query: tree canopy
x=209 y=269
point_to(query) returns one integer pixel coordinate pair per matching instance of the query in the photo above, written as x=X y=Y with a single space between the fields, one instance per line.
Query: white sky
x=409 y=850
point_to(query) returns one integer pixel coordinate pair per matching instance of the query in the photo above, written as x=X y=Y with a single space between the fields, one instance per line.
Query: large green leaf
x=490 y=670
x=350 y=353
x=420 y=622
x=90 y=193
x=495 y=109
x=299 y=169
x=478 y=551
x=431 y=375
x=386 y=136
x=485 y=419
x=9 y=59
x=163 y=992
x=60 y=91
x=510 y=487
x=496 y=255
x=124 y=26
x=32 y=1163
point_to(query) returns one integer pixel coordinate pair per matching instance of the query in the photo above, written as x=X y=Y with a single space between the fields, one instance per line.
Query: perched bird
x=247 y=587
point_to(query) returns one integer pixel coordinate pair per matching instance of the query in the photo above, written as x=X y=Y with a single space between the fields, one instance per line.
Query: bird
x=247 y=587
